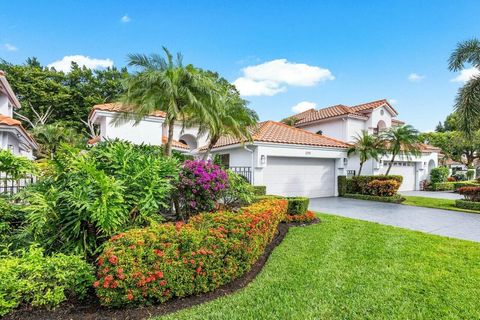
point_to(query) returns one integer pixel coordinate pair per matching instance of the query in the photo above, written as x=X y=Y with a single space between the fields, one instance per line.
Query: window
x=382 y=112
x=225 y=160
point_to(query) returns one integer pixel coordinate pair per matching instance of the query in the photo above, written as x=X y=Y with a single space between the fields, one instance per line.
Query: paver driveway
x=442 y=222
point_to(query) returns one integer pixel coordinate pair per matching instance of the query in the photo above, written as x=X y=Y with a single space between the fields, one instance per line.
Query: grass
x=446 y=204
x=351 y=269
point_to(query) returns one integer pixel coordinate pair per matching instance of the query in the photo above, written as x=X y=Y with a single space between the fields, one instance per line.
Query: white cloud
x=10 y=47
x=393 y=101
x=125 y=19
x=91 y=63
x=303 y=106
x=466 y=74
x=273 y=76
x=415 y=77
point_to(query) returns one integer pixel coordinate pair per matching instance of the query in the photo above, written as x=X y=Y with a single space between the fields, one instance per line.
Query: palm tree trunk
x=390 y=164
x=360 y=169
x=212 y=143
x=168 y=148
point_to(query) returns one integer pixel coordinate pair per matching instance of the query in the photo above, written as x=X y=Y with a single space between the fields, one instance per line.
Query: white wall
x=335 y=128
x=376 y=116
x=5 y=107
x=354 y=128
x=179 y=131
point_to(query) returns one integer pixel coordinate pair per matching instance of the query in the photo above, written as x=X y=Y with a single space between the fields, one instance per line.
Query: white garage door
x=404 y=169
x=300 y=177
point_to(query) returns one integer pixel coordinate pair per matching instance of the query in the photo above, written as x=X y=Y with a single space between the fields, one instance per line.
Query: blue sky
x=334 y=52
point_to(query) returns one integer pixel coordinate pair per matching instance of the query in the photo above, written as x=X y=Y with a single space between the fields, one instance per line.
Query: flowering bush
x=451 y=179
x=307 y=216
x=470 y=193
x=200 y=185
x=161 y=262
x=383 y=188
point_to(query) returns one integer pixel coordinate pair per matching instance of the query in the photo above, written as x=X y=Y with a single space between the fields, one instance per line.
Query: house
x=13 y=135
x=304 y=159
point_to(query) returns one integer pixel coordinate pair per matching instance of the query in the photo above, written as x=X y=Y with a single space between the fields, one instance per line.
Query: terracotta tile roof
x=4 y=120
x=398 y=121
x=118 y=107
x=94 y=140
x=339 y=110
x=428 y=147
x=276 y=132
x=176 y=144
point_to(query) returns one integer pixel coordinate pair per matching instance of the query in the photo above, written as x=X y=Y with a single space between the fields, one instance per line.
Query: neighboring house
x=13 y=135
x=303 y=160
x=150 y=130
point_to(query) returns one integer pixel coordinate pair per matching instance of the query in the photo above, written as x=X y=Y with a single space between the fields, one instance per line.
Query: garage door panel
x=406 y=170
x=300 y=176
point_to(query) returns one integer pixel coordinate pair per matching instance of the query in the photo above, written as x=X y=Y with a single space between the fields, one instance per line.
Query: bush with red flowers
x=155 y=264
x=307 y=216
x=200 y=186
x=470 y=193
x=383 y=188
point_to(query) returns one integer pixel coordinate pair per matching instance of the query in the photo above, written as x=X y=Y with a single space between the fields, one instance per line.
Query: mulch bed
x=90 y=309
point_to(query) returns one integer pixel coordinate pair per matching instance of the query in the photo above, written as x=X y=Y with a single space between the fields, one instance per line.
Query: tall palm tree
x=165 y=84
x=367 y=146
x=467 y=103
x=232 y=115
x=402 y=139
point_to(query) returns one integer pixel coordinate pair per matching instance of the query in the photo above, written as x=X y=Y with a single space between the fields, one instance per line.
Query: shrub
x=470 y=174
x=358 y=184
x=467 y=204
x=200 y=186
x=266 y=197
x=161 y=262
x=458 y=185
x=451 y=179
x=307 y=216
x=260 y=190
x=342 y=185
x=439 y=174
x=393 y=199
x=442 y=186
x=383 y=188
x=36 y=280
x=470 y=193
x=86 y=197
x=460 y=176
x=239 y=191
x=297 y=205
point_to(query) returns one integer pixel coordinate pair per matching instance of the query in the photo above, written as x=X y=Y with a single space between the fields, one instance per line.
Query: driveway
x=433 y=194
x=441 y=222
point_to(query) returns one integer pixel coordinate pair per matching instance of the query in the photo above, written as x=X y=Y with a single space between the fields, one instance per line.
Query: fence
x=350 y=173
x=9 y=186
x=246 y=172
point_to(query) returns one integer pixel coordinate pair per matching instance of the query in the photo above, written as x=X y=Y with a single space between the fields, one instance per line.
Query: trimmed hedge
x=155 y=264
x=260 y=190
x=359 y=184
x=266 y=197
x=33 y=279
x=442 y=186
x=393 y=199
x=439 y=174
x=342 y=185
x=297 y=205
x=458 y=185
x=307 y=216
x=466 y=204
x=383 y=188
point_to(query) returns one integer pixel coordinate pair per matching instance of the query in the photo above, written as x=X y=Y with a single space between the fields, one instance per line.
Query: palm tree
x=232 y=118
x=398 y=139
x=51 y=136
x=367 y=146
x=467 y=103
x=169 y=86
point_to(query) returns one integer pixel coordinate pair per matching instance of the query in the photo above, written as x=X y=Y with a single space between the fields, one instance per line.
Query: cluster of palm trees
x=396 y=140
x=186 y=94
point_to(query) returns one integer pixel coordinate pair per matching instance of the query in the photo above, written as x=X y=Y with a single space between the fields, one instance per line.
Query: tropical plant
x=239 y=192
x=15 y=167
x=439 y=174
x=51 y=136
x=366 y=146
x=86 y=197
x=400 y=139
x=167 y=85
x=467 y=104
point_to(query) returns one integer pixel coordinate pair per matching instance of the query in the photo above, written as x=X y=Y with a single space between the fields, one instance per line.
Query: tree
x=169 y=86
x=51 y=136
x=232 y=117
x=402 y=139
x=366 y=146
x=467 y=103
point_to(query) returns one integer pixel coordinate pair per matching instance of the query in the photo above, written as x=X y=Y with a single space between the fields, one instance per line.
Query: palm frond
x=466 y=52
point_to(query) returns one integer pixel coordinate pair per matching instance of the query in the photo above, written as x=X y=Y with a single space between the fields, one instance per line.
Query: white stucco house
x=13 y=135
x=304 y=159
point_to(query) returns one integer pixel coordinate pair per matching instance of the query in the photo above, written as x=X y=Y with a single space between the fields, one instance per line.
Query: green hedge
x=469 y=205
x=442 y=186
x=297 y=205
x=342 y=185
x=394 y=199
x=33 y=279
x=260 y=190
x=266 y=197
x=461 y=184
x=358 y=184
x=439 y=174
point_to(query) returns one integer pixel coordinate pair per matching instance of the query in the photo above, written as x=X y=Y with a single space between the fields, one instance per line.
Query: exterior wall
x=376 y=116
x=336 y=129
x=179 y=131
x=354 y=128
x=5 y=107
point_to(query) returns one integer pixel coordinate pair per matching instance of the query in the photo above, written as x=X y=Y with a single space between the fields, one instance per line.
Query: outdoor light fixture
x=345 y=161
x=262 y=159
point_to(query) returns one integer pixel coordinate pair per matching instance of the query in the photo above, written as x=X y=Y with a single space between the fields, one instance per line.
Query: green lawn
x=350 y=269
x=447 y=204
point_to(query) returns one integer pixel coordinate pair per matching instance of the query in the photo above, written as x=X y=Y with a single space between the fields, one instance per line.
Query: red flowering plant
x=200 y=186
x=155 y=264
x=306 y=217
